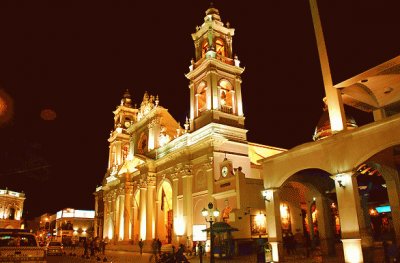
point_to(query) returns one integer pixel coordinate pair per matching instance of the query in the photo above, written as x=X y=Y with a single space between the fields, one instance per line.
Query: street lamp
x=209 y=215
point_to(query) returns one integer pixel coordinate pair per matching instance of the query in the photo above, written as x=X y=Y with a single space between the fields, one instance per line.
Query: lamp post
x=209 y=215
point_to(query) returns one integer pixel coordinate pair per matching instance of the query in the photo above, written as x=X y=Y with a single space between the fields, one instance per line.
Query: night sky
x=76 y=58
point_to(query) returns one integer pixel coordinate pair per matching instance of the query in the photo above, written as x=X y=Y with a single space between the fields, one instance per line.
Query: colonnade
x=133 y=212
x=353 y=214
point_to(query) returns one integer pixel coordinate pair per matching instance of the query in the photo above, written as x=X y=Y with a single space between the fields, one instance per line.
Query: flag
x=162 y=199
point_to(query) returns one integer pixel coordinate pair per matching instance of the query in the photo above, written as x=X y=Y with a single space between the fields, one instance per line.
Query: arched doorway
x=165 y=212
x=299 y=214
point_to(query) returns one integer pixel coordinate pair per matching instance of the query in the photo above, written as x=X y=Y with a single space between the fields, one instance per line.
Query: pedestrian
x=141 y=243
x=180 y=257
x=154 y=247
x=260 y=250
x=92 y=247
x=307 y=243
x=85 y=247
x=159 y=245
x=291 y=243
x=104 y=246
x=73 y=245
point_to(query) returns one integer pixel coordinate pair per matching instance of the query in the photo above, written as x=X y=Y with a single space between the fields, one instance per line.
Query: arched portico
x=339 y=156
x=292 y=211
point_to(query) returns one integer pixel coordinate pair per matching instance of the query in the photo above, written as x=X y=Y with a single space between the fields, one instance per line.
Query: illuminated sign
x=198 y=233
x=2 y=192
x=84 y=213
x=69 y=212
x=383 y=209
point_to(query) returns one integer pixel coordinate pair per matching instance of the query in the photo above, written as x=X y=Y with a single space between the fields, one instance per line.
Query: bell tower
x=124 y=116
x=215 y=82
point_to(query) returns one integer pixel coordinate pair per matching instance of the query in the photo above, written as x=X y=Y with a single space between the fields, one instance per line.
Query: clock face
x=224 y=171
x=127 y=124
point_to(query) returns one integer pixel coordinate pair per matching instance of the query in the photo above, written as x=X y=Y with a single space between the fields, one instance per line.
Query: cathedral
x=161 y=176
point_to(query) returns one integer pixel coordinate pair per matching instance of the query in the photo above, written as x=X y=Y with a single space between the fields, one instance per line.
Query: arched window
x=225 y=95
x=11 y=215
x=204 y=48
x=125 y=150
x=220 y=47
x=201 y=96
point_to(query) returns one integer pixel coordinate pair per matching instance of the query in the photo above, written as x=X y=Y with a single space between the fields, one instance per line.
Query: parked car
x=55 y=248
x=20 y=246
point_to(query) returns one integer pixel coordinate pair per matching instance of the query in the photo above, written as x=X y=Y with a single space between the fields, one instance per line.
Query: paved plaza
x=121 y=256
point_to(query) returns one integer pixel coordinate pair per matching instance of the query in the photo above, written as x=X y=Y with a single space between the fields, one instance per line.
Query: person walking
x=92 y=247
x=159 y=245
x=85 y=247
x=141 y=243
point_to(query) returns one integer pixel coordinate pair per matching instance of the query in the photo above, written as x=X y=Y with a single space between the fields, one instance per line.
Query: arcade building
x=341 y=189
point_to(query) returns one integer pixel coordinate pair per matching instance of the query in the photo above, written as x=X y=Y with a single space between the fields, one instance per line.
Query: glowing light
x=6 y=107
x=373 y=212
x=48 y=115
x=260 y=220
x=352 y=250
x=179 y=226
x=285 y=215
x=198 y=233
x=275 y=254
x=314 y=215
x=268 y=194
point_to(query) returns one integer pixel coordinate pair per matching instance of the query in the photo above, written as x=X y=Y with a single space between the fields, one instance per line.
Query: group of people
x=292 y=242
x=94 y=246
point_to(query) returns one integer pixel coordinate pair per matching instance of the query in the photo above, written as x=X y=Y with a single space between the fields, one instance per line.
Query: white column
x=150 y=226
x=127 y=213
x=238 y=92
x=274 y=226
x=188 y=203
x=193 y=101
x=349 y=206
x=105 y=218
x=142 y=212
x=233 y=101
x=324 y=219
x=393 y=188
x=175 y=182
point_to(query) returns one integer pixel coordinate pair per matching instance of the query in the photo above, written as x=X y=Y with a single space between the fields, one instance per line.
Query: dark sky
x=77 y=58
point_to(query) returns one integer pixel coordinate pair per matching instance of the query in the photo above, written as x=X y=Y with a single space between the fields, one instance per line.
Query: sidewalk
x=128 y=254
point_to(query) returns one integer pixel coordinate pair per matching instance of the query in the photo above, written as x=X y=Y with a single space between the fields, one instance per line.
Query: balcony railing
x=217 y=56
x=226 y=109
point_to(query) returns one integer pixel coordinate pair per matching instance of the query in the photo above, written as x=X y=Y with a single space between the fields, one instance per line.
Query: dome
x=213 y=13
x=126 y=100
x=323 y=129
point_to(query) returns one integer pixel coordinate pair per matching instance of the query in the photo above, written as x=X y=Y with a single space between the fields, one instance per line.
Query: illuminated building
x=11 y=208
x=327 y=185
x=161 y=175
x=72 y=223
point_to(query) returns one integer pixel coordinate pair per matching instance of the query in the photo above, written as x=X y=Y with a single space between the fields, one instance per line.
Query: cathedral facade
x=161 y=175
